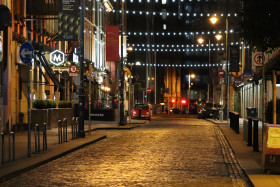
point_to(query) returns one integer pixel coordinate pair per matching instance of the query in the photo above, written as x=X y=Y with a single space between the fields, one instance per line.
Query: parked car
x=141 y=111
x=209 y=110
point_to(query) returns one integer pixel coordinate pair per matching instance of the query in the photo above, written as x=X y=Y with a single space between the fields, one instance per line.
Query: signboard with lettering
x=112 y=43
x=103 y=114
x=271 y=147
x=42 y=7
x=57 y=57
x=68 y=20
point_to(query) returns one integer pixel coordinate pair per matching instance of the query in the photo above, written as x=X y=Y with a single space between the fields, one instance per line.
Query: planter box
x=50 y=116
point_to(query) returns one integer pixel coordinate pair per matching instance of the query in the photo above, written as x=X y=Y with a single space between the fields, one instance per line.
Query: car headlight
x=148 y=113
x=134 y=112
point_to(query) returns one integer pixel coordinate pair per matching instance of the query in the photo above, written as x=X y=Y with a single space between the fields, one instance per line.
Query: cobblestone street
x=165 y=152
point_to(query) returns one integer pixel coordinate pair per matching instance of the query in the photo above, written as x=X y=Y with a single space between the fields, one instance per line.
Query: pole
x=155 y=77
x=227 y=70
x=263 y=94
x=129 y=112
x=89 y=100
x=29 y=113
x=121 y=123
x=168 y=103
x=274 y=96
x=208 y=86
x=81 y=132
x=189 y=93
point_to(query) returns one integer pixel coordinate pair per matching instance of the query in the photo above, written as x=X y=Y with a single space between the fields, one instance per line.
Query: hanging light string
x=174 y=14
x=185 y=49
x=130 y=33
x=156 y=13
x=159 y=1
x=182 y=45
x=175 y=65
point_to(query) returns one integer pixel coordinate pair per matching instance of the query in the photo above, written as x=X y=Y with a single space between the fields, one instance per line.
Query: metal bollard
x=249 y=131
x=3 y=143
x=230 y=119
x=76 y=127
x=256 y=135
x=64 y=130
x=45 y=147
x=59 y=127
x=72 y=127
x=237 y=123
x=37 y=138
x=12 y=150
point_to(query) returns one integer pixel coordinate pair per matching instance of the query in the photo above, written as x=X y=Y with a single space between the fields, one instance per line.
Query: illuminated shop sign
x=57 y=57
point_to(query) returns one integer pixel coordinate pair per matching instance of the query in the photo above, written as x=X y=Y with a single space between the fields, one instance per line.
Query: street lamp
x=213 y=21
x=200 y=41
x=189 y=91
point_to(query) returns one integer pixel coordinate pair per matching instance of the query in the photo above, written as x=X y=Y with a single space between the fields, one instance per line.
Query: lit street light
x=200 y=41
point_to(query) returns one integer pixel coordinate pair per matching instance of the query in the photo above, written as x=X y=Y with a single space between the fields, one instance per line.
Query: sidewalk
x=54 y=150
x=250 y=161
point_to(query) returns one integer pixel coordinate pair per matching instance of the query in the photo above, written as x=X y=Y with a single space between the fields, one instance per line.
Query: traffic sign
x=149 y=90
x=257 y=59
x=26 y=52
x=73 y=69
x=221 y=73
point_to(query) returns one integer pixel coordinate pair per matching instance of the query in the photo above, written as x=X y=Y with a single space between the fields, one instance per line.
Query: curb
x=247 y=178
x=18 y=172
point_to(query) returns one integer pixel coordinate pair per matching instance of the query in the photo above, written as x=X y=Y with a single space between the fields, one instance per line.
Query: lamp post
x=81 y=132
x=189 y=90
x=227 y=70
x=201 y=40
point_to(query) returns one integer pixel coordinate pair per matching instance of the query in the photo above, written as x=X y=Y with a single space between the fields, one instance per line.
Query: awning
x=42 y=59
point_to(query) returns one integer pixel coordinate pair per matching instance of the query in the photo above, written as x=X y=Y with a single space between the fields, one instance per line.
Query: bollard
x=249 y=131
x=72 y=127
x=12 y=148
x=237 y=123
x=64 y=130
x=45 y=145
x=76 y=127
x=231 y=121
x=256 y=135
x=59 y=127
x=3 y=143
x=37 y=138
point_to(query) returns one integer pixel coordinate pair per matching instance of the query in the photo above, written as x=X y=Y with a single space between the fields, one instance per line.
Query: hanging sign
x=112 y=43
x=57 y=57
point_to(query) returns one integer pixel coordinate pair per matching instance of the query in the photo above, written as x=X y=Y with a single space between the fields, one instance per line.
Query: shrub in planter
x=51 y=103
x=39 y=104
x=65 y=104
x=269 y=111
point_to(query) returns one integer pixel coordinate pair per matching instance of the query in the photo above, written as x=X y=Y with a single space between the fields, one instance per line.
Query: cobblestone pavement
x=165 y=152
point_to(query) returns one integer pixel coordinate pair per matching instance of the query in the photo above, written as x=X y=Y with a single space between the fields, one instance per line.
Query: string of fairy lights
x=183 y=48
x=231 y=31
x=190 y=33
x=138 y=64
x=174 y=14
x=181 y=45
x=160 y=1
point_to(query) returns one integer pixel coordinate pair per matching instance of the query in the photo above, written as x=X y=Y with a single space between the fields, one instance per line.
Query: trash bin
x=251 y=112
